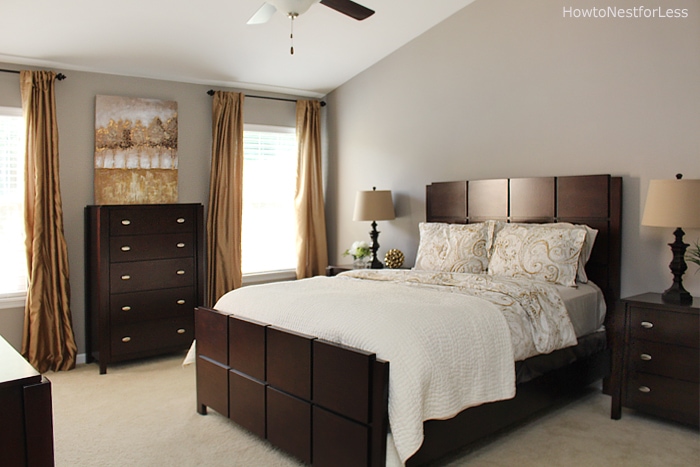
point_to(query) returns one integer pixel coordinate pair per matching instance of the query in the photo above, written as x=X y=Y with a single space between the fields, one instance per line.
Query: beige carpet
x=143 y=414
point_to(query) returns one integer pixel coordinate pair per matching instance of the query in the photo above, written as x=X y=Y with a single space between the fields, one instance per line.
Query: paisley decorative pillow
x=454 y=247
x=545 y=252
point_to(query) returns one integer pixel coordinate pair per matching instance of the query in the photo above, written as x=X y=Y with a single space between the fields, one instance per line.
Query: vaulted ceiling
x=209 y=42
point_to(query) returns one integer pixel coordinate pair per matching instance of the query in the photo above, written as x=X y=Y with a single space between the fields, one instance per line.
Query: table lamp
x=374 y=206
x=674 y=203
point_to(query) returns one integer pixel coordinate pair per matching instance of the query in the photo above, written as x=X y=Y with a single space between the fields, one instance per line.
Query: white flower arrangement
x=358 y=250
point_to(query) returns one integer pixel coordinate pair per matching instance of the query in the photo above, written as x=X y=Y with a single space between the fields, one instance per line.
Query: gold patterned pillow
x=545 y=252
x=454 y=247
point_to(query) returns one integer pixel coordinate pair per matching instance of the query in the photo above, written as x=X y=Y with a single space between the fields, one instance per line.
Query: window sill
x=270 y=276
x=13 y=300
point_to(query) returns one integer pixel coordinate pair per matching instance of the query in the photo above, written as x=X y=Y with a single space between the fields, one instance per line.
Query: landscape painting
x=135 y=150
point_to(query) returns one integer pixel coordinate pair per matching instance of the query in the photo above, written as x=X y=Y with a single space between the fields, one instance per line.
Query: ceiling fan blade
x=350 y=8
x=263 y=15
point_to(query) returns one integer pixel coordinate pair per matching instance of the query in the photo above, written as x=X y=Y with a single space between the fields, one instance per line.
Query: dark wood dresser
x=658 y=359
x=144 y=277
x=26 y=420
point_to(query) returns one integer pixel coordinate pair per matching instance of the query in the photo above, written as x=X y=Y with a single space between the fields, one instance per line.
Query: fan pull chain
x=292 y=16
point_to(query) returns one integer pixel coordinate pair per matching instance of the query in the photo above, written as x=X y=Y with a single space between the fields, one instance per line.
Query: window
x=13 y=268
x=269 y=181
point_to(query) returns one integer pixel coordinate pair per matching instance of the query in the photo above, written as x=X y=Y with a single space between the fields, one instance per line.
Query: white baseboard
x=80 y=358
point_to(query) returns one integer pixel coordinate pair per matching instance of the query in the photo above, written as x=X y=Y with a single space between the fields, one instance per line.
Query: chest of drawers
x=144 y=277
x=659 y=359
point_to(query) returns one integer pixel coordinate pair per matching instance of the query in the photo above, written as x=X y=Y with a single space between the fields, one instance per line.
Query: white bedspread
x=447 y=351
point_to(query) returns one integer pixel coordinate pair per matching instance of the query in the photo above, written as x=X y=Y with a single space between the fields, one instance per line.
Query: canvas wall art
x=135 y=150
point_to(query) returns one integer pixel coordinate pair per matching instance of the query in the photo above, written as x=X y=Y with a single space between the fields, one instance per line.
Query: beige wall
x=510 y=88
x=75 y=106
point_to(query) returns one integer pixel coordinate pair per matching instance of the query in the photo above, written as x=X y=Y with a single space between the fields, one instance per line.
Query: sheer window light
x=269 y=180
x=13 y=268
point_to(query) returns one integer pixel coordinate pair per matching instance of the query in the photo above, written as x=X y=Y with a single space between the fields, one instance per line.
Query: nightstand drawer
x=671 y=398
x=672 y=361
x=152 y=304
x=145 y=247
x=664 y=326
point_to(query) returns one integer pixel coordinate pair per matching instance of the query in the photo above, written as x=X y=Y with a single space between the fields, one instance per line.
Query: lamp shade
x=673 y=203
x=374 y=206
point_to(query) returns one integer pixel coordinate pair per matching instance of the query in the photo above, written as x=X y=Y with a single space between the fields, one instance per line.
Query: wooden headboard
x=595 y=200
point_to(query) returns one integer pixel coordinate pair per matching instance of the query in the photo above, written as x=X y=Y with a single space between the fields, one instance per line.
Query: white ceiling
x=209 y=42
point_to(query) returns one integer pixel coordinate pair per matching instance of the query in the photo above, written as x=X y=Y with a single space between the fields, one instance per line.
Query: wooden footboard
x=323 y=403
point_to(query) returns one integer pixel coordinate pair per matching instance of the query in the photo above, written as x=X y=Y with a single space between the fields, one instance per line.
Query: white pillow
x=454 y=247
x=546 y=252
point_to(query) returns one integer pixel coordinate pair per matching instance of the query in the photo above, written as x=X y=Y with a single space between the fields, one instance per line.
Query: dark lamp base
x=677 y=294
x=677 y=297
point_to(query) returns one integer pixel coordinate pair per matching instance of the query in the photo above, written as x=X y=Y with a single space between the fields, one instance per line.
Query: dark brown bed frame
x=326 y=404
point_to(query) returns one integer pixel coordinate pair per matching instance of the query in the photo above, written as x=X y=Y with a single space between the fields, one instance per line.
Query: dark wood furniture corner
x=26 y=420
x=144 y=277
x=657 y=358
x=334 y=269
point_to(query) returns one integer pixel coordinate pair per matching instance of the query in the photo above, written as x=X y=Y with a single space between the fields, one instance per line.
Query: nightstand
x=334 y=269
x=657 y=359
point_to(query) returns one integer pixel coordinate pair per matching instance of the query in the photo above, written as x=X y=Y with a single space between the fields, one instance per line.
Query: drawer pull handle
x=126 y=339
x=126 y=277
x=180 y=220
x=126 y=308
x=126 y=248
x=180 y=272
x=647 y=325
x=181 y=245
x=126 y=222
x=645 y=356
x=181 y=331
x=180 y=302
x=644 y=389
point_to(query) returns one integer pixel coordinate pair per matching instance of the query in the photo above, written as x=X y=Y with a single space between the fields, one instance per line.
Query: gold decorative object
x=394 y=259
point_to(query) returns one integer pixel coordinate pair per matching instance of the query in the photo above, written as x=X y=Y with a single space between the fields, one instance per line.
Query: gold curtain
x=225 y=196
x=48 y=342
x=312 y=250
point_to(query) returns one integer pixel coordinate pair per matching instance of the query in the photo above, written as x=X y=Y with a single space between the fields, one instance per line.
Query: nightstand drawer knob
x=644 y=389
x=180 y=272
x=126 y=248
x=645 y=356
x=181 y=245
x=126 y=308
x=647 y=325
x=126 y=339
x=126 y=222
x=180 y=220
x=126 y=277
x=180 y=302
x=181 y=331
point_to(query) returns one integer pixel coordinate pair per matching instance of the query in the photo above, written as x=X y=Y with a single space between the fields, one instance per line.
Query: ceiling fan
x=294 y=8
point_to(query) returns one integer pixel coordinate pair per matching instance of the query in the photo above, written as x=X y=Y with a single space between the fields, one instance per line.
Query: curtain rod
x=59 y=76
x=323 y=103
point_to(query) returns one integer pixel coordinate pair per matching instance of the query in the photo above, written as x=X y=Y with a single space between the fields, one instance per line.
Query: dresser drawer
x=147 y=275
x=671 y=398
x=664 y=326
x=152 y=304
x=672 y=361
x=152 y=219
x=147 y=247
x=149 y=336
